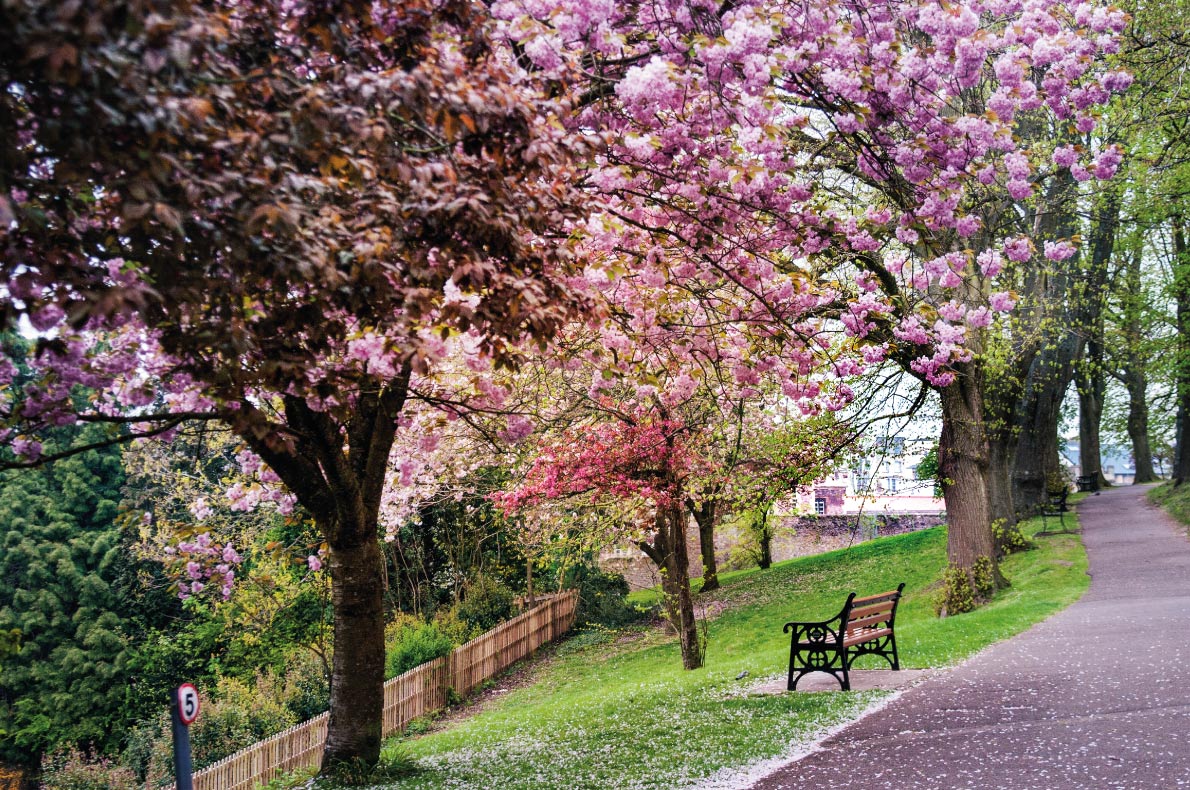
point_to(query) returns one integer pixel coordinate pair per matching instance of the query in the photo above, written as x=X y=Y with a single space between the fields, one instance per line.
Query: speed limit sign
x=188 y=704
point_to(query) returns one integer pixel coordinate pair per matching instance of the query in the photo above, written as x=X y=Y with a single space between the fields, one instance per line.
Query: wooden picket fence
x=419 y=691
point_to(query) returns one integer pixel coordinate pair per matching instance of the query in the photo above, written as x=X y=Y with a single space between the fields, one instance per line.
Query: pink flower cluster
x=204 y=564
x=617 y=459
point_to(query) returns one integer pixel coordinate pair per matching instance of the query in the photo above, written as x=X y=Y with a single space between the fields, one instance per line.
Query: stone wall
x=798 y=536
x=640 y=572
x=863 y=526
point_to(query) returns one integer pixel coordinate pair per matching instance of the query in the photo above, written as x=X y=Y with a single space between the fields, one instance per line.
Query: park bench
x=1055 y=505
x=1087 y=483
x=863 y=627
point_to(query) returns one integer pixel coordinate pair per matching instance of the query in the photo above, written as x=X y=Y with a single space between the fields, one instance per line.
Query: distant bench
x=864 y=627
x=1055 y=505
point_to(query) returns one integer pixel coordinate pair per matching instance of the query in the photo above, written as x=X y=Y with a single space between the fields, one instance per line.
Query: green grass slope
x=1175 y=500
x=614 y=712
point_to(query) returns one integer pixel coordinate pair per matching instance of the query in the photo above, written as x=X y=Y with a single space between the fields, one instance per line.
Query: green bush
x=238 y=715
x=307 y=692
x=486 y=603
x=956 y=595
x=410 y=642
x=602 y=598
x=455 y=629
x=148 y=750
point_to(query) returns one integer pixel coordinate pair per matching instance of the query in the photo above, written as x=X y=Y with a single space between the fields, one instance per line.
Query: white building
x=882 y=481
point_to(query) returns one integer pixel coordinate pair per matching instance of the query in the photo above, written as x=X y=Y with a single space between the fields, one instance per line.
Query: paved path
x=1098 y=696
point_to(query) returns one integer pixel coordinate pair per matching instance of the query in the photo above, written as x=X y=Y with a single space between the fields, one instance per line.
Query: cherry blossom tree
x=843 y=166
x=639 y=462
x=280 y=216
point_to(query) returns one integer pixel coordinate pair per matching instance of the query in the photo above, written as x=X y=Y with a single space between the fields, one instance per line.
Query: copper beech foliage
x=275 y=214
x=271 y=178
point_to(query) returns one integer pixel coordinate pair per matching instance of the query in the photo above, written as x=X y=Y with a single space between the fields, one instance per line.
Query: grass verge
x=1175 y=500
x=614 y=712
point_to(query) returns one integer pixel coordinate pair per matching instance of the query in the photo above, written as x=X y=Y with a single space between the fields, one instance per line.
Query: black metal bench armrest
x=815 y=633
x=820 y=632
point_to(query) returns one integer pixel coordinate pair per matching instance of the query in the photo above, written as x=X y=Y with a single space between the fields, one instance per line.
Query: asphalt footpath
x=1098 y=696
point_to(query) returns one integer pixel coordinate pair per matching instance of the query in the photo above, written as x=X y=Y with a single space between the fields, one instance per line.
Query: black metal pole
x=183 y=767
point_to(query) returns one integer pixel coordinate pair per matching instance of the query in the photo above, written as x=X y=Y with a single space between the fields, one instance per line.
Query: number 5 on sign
x=188 y=704
x=185 y=710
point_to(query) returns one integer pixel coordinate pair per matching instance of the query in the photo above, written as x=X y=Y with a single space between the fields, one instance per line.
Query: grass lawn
x=1175 y=501
x=612 y=711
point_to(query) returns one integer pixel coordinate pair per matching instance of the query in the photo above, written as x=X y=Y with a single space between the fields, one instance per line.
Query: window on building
x=819 y=506
x=891 y=484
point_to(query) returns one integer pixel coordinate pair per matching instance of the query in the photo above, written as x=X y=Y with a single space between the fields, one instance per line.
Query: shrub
x=148 y=750
x=410 y=642
x=306 y=692
x=982 y=577
x=956 y=595
x=238 y=715
x=602 y=598
x=456 y=630
x=486 y=603
x=71 y=770
x=1008 y=538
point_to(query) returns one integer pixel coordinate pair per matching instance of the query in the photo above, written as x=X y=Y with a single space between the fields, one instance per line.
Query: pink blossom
x=1002 y=301
x=1065 y=156
x=990 y=262
x=1059 y=250
x=967 y=226
x=1018 y=249
x=518 y=428
x=200 y=509
x=29 y=449
x=1019 y=189
x=979 y=317
x=1108 y=161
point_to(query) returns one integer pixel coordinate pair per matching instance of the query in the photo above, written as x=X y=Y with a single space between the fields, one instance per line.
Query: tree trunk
x=1133 y=359
x=357 y=679
x=704 y=515
x=1138 y=427
x=963 y=467
x=342 y=490
x=1091 y=387
x=1181 y=462
x=1092 y=374
x=1000 y=464
x=1036 y=459
x=669 y=552
x=1070 y=302
x=764 y=536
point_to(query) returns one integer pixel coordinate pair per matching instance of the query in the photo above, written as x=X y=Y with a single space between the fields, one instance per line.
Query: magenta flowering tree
x=278 y=216
x=848 y=171
x=639 y=463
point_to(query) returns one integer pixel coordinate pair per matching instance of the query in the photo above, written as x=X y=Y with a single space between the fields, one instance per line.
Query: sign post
x=184 y=707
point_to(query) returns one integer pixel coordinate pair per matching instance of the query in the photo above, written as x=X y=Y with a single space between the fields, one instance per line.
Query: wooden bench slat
x=864 y=611
x=851 y=640
x=867 y=622
x=867 y=599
